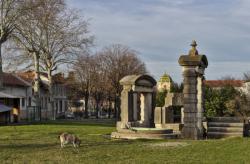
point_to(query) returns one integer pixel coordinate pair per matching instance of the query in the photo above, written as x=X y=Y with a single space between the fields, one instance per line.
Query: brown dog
x=66 y=138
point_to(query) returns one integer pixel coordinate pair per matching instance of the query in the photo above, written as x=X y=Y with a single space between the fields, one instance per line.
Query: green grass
x=39 y=144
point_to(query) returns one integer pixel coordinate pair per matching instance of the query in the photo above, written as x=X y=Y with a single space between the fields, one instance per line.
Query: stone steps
x=225 y=129
x=217 y=135
x=226 y=119
x=221 y=127
x=221 y=124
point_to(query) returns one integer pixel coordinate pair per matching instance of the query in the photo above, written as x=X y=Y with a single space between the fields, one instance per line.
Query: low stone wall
x=175 y=127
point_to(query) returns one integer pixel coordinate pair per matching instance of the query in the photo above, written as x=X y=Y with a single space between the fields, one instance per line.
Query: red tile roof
x=222 y=83
x=30 y=76
x=27 y=76
x=12 y=80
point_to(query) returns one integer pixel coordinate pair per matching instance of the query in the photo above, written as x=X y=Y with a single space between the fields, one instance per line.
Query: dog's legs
x=63 y=144
x=74 y=144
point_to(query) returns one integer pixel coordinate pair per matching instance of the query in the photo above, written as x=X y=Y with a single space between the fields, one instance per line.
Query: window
x=23 y=102
x=65 y=105
x=29 y=101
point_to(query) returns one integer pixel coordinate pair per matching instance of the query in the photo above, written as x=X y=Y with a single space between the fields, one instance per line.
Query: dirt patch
x=169 y=144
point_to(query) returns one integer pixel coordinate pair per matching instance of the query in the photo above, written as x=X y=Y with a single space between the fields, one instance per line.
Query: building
x=59 y=91
x=165 y=83
x=60 y=94
x=15 y=95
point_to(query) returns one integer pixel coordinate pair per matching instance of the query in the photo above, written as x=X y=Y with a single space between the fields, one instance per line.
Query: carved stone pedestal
x=193 y=66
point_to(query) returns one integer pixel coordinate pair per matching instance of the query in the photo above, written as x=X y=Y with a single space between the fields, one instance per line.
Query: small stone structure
x=193 y=66
x=137 y=110
x=164 y=116
x=137 y=101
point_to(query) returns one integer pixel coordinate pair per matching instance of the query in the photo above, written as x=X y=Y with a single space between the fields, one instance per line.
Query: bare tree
x=30 y=34
x=120 y=61
x=85 y=75
x=52 y=35
x=65 y=35
x=10 y=12
x=101 y=83
x=246 y=76
x=99 y=75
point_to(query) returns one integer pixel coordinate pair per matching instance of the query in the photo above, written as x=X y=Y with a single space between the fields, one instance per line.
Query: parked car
x=69 y=115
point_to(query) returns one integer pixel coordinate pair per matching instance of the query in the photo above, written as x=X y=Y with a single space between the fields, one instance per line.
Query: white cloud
x=161 y=30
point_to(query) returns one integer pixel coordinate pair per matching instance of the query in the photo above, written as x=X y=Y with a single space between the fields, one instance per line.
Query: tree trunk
x=51 y=96
x=110 y=106
x=97 y=100
x=1 y=68
x=117 y=107
x=97 y=110
x=86 y=110
x=37 y=84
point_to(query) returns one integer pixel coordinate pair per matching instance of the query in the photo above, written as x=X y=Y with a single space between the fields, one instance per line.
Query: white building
x=16 y=94
x=59 y=93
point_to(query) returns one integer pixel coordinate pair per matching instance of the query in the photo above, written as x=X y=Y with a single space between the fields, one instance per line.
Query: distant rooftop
x=12 y=80
x=223 y=83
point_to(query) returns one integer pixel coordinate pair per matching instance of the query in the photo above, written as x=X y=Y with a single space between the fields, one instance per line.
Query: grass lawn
x=39 y=144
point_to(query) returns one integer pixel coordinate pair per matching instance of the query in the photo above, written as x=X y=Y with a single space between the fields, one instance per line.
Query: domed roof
x=165 y=78
x=136 y=80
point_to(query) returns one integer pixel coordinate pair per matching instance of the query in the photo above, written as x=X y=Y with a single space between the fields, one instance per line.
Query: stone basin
x=144 y=133
x=152 y=130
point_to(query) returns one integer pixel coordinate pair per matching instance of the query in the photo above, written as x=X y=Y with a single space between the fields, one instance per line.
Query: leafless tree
x=85 y=74
x=30 y=34
x=99 y=75
x=64 y=37
x=246 y=76
x=52 y=35
x=101 y=82
x=10 y=12
x=120 y=61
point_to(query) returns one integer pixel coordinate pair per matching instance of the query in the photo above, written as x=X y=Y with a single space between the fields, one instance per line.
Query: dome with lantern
x=164 y=83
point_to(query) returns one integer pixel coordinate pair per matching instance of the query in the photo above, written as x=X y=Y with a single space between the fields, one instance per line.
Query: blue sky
x=162 y=30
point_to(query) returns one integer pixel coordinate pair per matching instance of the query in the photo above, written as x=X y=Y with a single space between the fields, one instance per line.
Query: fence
x=34 y=113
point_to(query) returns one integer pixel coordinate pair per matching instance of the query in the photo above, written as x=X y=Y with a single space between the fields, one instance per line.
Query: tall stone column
x=200 y=103
x=148 y=103
x=193 y=69
x=126 y=106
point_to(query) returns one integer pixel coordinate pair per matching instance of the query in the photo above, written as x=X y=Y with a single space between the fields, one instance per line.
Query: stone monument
x=137 y=101
x=193 y=67
x=137 y=110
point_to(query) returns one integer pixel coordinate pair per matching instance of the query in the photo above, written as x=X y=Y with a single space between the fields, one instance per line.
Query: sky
x=162 y=30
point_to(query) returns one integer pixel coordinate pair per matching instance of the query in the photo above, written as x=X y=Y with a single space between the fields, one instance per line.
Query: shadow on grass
x=103 y=123
x=29 y=146
x=57 y=144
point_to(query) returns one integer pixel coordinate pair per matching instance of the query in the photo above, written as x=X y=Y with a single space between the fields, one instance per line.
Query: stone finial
x=193 y=51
